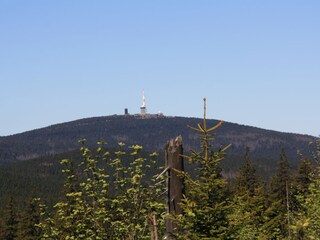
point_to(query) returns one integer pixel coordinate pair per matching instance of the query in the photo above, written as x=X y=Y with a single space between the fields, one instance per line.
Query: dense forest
x=152 y=133
x=118 y=192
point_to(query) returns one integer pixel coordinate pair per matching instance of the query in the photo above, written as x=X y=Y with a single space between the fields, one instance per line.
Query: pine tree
x=302 y=178
x=301 y=183
x=306 y=224
x=247 y=181
x=12 y=221
x=279 y=212
x=205 y=206
x=2 y=226
x=281 y=180
x=28 y=229
x=248 y=203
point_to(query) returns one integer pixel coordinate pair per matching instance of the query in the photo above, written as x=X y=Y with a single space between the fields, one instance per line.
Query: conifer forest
x=120 y=193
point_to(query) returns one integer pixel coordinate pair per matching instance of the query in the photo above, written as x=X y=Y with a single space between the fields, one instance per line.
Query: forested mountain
x=100 y=191
x=152 y=133
x=30 y=167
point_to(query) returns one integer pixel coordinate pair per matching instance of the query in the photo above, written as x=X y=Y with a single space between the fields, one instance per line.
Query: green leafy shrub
x=106 y=199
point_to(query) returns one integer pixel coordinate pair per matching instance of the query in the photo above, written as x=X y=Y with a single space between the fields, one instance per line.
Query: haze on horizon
x=257 y=63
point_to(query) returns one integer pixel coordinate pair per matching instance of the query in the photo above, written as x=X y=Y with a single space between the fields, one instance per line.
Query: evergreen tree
x=300 y=191
x=301 y=183
x=248 y=203
x=281 y=180
x=2 y=228
x=279 y=212
x=28 y=229
x=12 y=221
x=247 y=181
x=302 y=178
x=306 y=224
x=205 y=206
x=312 y=208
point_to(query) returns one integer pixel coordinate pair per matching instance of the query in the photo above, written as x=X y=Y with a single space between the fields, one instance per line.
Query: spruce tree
x=279 y=212
x=247 y=181
x=281 y=180
x=28 y=229
x=205 y=205
x=302 y=178
x=301 y=183
x=12 y=221
x=2 y=226
x=306 y=223
x=248 y=203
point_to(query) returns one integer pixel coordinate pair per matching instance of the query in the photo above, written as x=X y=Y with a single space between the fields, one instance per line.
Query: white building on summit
x=143 y=108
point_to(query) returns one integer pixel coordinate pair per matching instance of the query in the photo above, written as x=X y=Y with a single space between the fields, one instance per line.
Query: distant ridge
x=152 y=133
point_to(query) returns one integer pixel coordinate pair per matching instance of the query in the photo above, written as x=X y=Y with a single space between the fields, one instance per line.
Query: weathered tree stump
x=175 y=185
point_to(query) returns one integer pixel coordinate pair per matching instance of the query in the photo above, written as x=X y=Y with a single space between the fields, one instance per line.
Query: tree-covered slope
x=152 y=133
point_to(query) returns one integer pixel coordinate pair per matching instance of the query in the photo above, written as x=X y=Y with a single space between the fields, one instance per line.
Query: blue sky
x=257 y=62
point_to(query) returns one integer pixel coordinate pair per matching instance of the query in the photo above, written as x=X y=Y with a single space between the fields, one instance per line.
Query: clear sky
x=257 y=62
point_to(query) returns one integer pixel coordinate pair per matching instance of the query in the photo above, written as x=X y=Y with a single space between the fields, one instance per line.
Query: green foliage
x=306 y=224
x=302 y=178
x=152 y=134
x=12 y=221
x=28 y=221
x=278 y=212
x=248 y=204
x=99 y=205
x=281 y=180
x=247 y=216
x=247 y=181
x=2 y=226
x=118 y=194
x=204 y=205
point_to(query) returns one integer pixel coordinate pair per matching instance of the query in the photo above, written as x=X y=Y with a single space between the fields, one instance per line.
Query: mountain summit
x=152 y=133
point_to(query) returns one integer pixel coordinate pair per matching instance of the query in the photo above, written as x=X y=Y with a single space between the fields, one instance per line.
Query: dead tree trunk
x=175 y=185
x=153 y=227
